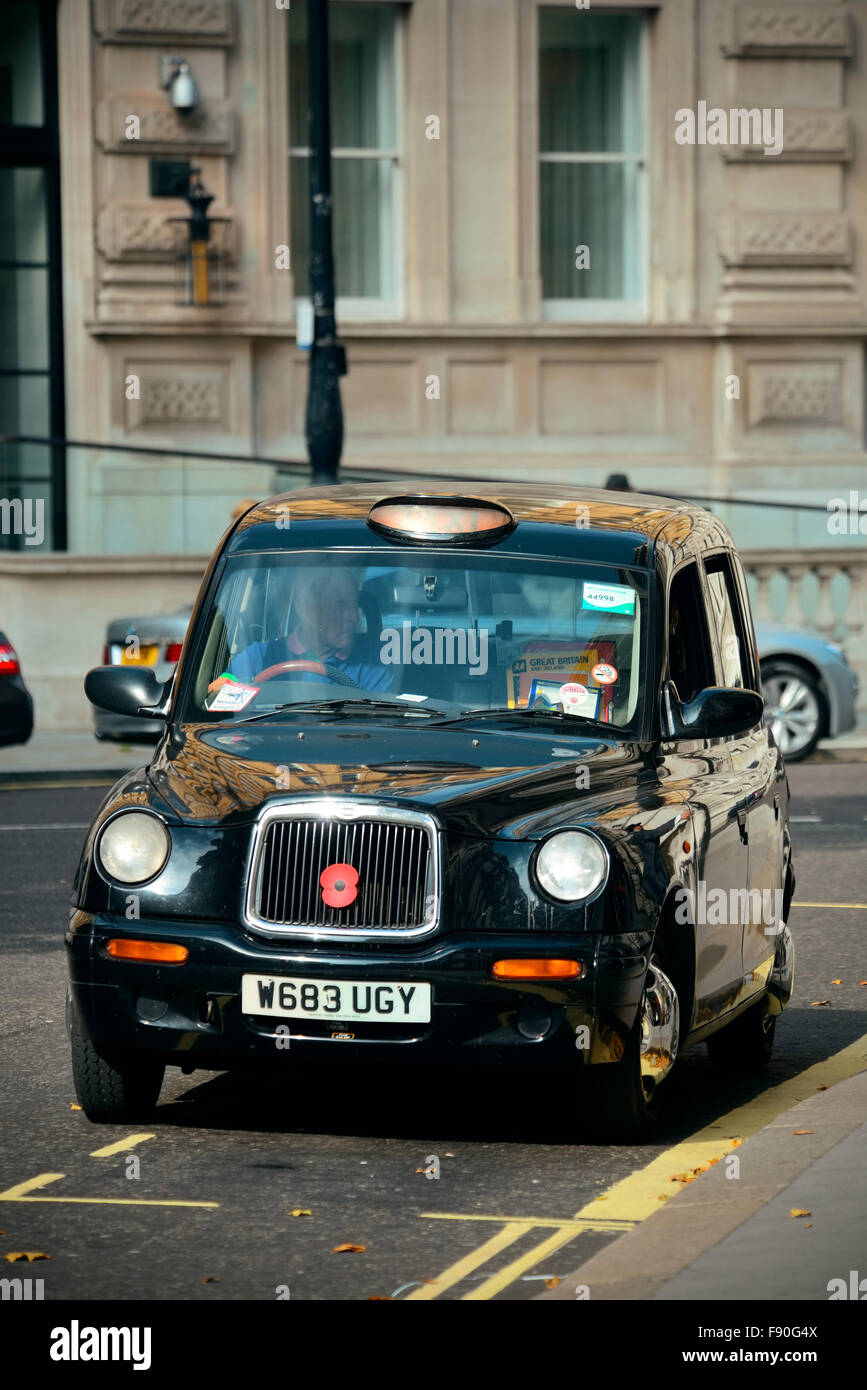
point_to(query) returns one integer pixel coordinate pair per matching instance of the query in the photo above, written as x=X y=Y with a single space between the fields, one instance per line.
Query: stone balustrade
x=819 y=591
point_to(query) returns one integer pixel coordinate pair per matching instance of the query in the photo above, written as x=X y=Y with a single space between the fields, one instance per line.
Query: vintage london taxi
x=445 y=778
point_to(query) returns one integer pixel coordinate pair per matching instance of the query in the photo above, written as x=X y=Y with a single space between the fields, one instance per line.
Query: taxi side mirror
x=133 y=691
x=715 y=712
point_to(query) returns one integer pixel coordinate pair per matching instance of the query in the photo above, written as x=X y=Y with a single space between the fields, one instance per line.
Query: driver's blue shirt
x=368 y=675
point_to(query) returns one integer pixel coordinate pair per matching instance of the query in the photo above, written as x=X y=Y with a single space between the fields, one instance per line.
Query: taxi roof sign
x=421 y=519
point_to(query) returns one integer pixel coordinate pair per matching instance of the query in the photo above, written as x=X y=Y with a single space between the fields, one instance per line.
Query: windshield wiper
x=346 y=705
x=536 y=712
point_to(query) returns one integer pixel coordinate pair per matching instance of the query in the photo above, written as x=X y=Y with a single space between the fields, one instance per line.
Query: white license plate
x=346 y=1001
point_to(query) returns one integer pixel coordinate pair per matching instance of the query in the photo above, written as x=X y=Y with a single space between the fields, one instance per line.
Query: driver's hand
x=219 y=683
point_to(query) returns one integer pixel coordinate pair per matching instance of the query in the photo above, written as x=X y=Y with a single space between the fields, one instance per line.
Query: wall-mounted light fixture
x=200 y=252
x=178 y=81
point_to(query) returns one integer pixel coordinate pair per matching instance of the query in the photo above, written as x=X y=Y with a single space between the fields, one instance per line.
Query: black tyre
x=747 y=1045
x=112 y=1092
x=622 y=1101
x=795 y=708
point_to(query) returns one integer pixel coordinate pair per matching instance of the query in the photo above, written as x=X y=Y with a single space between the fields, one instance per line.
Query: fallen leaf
x=862 y=982
x=803 y=1131
x=301 y=1211
x=807 y=1225
x=799 y=1211
x=75 y=1107
x=28 y=1255
x=378 y=1297
x=430 y=1281
x=348 y=1249
x=818 y=1003
x=210 y=1279
x=600 y=1199
x=421 y=1170
x=552 y=1282
x=821 y=1088
x=836 y=982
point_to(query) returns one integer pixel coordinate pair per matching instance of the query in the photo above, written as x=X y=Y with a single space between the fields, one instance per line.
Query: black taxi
x=449 y=778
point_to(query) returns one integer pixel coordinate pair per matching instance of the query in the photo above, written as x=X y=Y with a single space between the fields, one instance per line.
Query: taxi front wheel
x=112 y=1092
x=622 y=1099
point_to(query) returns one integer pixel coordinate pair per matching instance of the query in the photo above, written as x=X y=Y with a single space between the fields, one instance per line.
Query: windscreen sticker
x=576 y=698
x=604 y=673
x=610 y=598
x=233 y=696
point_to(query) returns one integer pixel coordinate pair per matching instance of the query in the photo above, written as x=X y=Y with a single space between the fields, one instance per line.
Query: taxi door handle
x=742 y=825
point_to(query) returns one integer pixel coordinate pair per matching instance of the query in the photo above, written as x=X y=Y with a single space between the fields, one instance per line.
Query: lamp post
x=324 y=417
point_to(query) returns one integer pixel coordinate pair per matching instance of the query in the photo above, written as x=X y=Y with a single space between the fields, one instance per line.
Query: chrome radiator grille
x=393 y=853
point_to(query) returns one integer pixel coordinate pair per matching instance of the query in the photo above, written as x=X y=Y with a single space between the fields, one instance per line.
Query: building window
x=32 y=474
x=365 y=166
x=592 y=166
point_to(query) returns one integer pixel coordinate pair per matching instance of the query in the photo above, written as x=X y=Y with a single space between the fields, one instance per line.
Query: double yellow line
x=636 y=1197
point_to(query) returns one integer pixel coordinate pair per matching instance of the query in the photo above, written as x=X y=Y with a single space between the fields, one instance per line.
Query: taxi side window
x=689 y=651
x=726 y=618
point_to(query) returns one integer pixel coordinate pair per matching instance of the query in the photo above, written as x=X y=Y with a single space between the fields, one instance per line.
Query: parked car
x=449 y=779
x=16 y=702
x=809 y=689
x=154 y=641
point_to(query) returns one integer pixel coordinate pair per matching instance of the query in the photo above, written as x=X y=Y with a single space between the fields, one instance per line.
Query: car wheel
x=112 y=1092
x=794 y=708
x=745 y=1046
x=622 y=1100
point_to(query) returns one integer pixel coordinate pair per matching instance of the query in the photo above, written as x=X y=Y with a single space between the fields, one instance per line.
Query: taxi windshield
x=443 y=632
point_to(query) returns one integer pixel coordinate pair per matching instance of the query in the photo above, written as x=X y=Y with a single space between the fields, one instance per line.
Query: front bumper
x=190 y=1015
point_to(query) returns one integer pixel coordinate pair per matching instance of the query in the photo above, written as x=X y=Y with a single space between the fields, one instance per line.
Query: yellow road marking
x=121 y=1146
x=507 y=1276
x=637 y=1196
x=17 y=1194
x=594 y=1225
x=507 y=1236
x=861 y=905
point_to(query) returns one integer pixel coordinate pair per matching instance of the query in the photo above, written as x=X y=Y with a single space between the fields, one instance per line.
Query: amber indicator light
x=124 y=949
x=537 y=969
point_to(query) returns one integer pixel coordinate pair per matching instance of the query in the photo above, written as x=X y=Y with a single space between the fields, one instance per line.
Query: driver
x=325 y=607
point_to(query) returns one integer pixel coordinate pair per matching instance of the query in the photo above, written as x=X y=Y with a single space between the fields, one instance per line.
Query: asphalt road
x=206 y=1213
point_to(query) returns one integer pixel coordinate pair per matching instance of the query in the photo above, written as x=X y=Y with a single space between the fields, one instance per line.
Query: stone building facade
x=536 y=277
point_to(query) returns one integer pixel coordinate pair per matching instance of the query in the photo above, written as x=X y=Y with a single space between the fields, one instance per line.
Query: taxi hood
x=477 y=780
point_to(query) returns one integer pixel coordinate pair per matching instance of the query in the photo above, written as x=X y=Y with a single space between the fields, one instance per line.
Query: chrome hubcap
x=792 y=710
x=660 y=1028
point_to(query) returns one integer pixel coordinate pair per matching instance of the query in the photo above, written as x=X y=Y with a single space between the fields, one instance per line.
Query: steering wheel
x=317 y=668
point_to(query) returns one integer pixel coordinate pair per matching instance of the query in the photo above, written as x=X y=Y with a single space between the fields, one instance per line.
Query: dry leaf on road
x=28 y=1255
x=348 y=1249
x=799 y=1211
x=803 y=1131
x=301 y=1211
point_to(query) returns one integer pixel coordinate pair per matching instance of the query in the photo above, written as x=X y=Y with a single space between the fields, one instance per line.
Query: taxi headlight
x=571 y=865
x=133 y=847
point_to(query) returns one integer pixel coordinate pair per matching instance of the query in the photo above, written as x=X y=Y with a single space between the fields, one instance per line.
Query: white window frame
x=611 y=310
x=364 y=308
